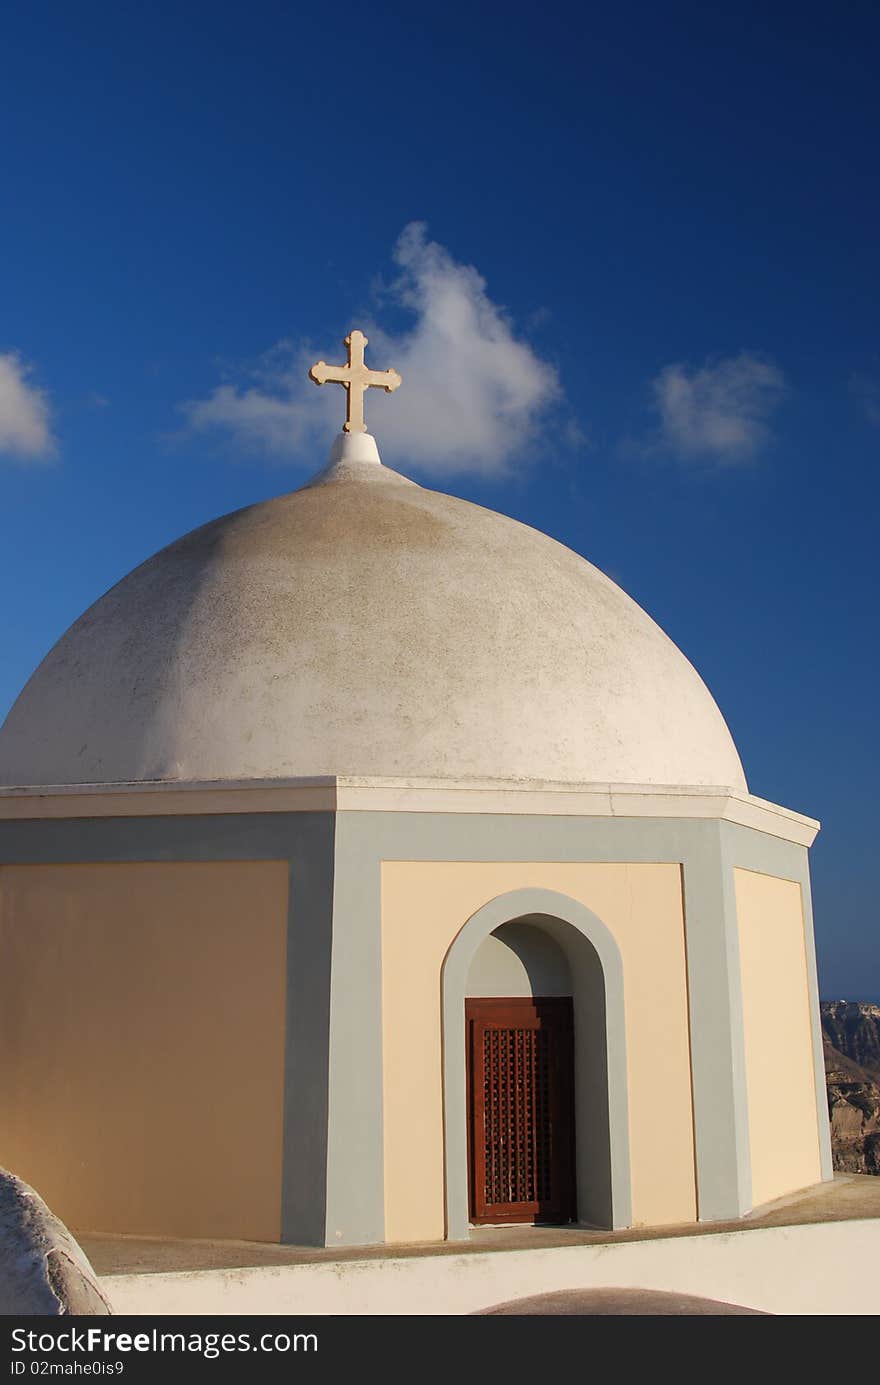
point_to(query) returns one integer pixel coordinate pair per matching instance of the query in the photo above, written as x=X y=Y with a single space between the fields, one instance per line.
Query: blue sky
x=670 y=323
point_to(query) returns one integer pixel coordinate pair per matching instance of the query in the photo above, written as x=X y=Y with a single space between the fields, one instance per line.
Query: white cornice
x=350 y=794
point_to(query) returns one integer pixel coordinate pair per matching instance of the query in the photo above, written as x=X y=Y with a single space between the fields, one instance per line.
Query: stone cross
x=356 y=377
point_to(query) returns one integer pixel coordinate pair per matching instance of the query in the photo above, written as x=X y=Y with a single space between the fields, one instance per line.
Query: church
x=373 y=868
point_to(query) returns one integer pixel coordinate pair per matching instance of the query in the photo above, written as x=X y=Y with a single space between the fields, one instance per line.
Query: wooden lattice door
x=520 y=1098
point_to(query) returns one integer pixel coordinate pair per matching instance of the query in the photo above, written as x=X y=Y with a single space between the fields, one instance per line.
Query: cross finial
x=356 y=377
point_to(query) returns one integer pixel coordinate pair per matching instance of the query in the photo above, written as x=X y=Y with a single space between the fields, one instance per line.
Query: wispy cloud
x=866 y=389
x=474 y=393
x=25 y=416
x=719 y=412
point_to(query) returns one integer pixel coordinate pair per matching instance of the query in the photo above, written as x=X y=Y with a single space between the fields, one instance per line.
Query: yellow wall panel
x=780 y=1082
x=142 y=1043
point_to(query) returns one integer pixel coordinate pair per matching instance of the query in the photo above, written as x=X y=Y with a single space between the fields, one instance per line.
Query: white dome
x=366 y=626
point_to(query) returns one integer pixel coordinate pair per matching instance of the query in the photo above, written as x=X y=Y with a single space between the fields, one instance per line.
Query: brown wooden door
x=521 y=1119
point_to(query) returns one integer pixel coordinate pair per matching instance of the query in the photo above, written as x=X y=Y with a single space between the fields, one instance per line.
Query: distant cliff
x=851 y=1031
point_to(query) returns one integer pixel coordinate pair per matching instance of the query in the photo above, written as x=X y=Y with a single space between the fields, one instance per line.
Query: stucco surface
x=776 y=1021
x=142 y=1018
x=364 y=625
x=519 y=959
x=424 y=906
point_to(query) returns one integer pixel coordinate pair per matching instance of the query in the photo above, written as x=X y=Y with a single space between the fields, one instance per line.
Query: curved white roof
x=366 y=626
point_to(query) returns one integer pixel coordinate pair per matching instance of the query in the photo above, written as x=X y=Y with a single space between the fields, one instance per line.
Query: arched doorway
x=532 y=945
x=520 y=1089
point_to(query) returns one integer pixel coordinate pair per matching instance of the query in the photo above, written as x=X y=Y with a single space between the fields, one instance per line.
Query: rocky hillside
x=851 y=1032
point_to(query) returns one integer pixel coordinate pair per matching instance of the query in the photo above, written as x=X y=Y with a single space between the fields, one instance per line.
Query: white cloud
x=25 y=429
x=719 y=412
x=473 y=394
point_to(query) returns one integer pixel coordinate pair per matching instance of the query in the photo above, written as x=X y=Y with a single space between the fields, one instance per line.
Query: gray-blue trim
x=355 y=1137
x=196 y=837
x=310 y=933
x=721 y=1130
x=364 y=840
x=594 y=1203
x=822 y=1116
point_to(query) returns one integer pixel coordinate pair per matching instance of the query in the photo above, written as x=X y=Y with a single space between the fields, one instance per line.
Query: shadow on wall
x=542 y=954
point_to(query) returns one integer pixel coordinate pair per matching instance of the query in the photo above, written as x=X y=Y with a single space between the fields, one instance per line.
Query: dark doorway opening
x=520 y=1110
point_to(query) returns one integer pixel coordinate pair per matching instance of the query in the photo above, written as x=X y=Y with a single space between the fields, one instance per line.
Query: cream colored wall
x=142 y=1043
x=780 y=1082
x=424 y=905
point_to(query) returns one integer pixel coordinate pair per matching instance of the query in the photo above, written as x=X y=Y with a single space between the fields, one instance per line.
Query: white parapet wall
x=818 y=1268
